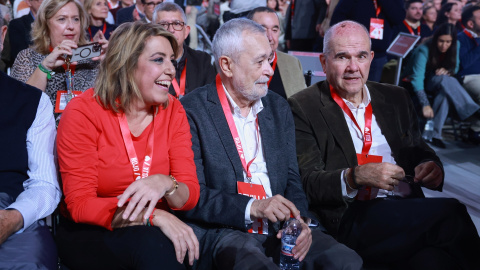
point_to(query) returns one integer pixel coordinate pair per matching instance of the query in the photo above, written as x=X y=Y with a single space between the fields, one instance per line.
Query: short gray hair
x=168 y=6
x=333 y=29
x=228 y=41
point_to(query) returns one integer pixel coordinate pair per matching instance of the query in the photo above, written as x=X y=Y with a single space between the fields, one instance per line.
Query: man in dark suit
x=358 y=143
x=243 y=142
x=194 y=68
x=18 y=34
x=287 y=76
x=132 y=13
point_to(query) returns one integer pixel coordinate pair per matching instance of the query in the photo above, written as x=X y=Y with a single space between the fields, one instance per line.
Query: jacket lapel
x=221 y=126
x=269 y=143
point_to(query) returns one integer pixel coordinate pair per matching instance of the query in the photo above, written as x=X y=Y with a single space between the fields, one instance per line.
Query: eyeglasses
x=153 y=4
x=177 y=25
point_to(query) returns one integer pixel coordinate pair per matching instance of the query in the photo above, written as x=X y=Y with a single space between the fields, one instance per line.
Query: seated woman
x=432 y=69
x=450 y=13
x=124 y=150
x=98 y=13
x=58 y=28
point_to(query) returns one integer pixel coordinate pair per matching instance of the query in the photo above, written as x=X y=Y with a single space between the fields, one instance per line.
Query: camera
x=86 y=52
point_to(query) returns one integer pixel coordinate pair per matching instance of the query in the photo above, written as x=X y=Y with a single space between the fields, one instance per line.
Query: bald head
x=343 y=29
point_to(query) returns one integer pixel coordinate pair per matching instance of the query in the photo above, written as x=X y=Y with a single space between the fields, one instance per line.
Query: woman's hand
x=441 y=71
x=148 y=189
x=427 y=112
x=181 y=235
x=100 y=38
x=56 y=57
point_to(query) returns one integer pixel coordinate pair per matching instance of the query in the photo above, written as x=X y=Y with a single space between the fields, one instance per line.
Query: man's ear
x=470 y=24
x=323 y=61
x=226 y=64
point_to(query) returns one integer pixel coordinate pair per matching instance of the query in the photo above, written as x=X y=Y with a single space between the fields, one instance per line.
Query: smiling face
x=99 y=9
x=251 y=69
x=155 y=71
x=65 y=24
x=270 y=22
x=348 y=59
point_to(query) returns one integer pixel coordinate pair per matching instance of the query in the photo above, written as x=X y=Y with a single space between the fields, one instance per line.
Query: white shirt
x=379 y=147
x=246 y=128
x=42 y=192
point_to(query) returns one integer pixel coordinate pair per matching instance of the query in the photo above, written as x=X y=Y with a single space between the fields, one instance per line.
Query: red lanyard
x=72 y=67
x=410 y=29
x=233 y=128
x=180 y=90
x=103 y=31
x=367 y=133
x=377 y=8
x=292 y=10
x=470 y=36
x=132 y=154
x=274 y=65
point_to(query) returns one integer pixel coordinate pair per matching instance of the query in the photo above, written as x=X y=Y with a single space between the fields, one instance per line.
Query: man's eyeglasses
x=153 y=4
x=177 y=25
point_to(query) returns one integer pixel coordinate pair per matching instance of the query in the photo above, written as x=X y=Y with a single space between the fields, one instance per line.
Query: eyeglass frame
x=182 y=24
x=152 y=4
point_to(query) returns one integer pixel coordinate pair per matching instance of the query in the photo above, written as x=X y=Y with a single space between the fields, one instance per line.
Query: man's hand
x=276 y=208
x=380 y=175
x=303 y=243
x=427 y=112
x=429 y=174
x=10 y=222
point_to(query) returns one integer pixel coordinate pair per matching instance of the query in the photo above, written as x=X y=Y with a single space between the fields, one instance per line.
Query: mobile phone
x=86 y=52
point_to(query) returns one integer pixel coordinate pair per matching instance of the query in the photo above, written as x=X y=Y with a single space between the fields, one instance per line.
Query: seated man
x=243 y=141
x=29 y=189
x=359 y=139
x=194 y=68
x=470 y=59
x=287 y=76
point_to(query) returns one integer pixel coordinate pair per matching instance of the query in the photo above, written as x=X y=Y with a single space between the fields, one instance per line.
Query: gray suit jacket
x=219 y=166
x=291 y=73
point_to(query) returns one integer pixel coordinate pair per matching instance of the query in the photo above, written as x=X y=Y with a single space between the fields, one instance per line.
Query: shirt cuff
x=26 y=210
x=248 y=220
x=422 y=98
x=343 y=182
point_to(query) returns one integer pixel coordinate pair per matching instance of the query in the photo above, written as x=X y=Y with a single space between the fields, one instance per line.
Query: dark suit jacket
x=219 y=166
x=325 y=148
x=18 y=38
x=200 y=70
x=125 y=15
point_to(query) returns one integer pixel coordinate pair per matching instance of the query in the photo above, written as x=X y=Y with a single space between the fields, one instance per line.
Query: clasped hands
x=387 y=175
x=150 y=190
x=278 y=208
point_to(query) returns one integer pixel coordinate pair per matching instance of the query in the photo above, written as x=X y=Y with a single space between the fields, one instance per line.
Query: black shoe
x=438 y=143
x=473 y=136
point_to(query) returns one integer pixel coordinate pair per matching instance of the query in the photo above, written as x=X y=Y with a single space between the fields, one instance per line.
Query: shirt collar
x=413 y=25
x=255 y=109
x=366 y=99
x=474 y=35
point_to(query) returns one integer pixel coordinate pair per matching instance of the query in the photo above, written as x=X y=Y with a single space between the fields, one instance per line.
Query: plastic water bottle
x=291 y=230
x=428 y=131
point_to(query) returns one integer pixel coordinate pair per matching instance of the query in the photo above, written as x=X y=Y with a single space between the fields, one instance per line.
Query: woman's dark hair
x=435 y=58
x=441 y=17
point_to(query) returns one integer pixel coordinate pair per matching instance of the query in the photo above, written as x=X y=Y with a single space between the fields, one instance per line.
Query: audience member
x=240 y=8
x=411 y=24
x=131 y=13
x=111 y=169
x=470 y=58
x=114 y=6
x=149 y=8
x=191 y=12
x=432 y=70
x=194 y=68
x=301 y=21
x=381 y=17
x=287 y=76
x=18 y=34
x=98 y=12
x=29 y=190
x=437 y=4
x=59 y=27
x=429 y=16
x=360 y=139
x=450 y=13
x=234 y=122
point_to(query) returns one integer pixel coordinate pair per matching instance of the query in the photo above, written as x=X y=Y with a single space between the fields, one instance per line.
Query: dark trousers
x=34 y=248
x=83 y=246
x=432 y=233
x=240 y=250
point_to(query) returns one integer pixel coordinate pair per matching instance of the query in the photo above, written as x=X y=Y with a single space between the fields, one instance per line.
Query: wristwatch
x=175 y=186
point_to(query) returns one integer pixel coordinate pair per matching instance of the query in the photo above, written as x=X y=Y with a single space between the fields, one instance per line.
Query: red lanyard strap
x=274 y=65
x=233 y=128
x=132 y=154
x=180 y=90
x=377 y=8
x=470 y=36
x=410 y=29
x=103 y=31
x=367 y=133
